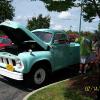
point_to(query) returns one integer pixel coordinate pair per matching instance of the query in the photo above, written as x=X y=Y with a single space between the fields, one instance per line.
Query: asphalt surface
x=16 y=90
x=12 y=90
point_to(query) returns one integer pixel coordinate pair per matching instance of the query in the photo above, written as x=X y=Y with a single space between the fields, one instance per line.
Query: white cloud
x=58 y=27
x=22 y=18
x=89 y=28
x=64 y=15
x=52 y=22
x=96 y=19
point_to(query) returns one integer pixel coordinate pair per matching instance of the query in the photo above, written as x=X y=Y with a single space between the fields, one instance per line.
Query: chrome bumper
x=12 y=75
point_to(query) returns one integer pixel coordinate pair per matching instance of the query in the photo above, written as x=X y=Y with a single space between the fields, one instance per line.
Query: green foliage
x=58 y=5
x=99 y=27
x=6 y=10
x=39 y=22
x=72 y=32
x=60 y=91
x=89 y=34
x=91 y=9
x=97 y=33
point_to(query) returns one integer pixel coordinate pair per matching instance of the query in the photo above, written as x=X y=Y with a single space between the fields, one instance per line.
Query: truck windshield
x=44 y=36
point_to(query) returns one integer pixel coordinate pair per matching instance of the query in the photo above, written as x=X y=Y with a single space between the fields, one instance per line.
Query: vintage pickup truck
x=35 y=54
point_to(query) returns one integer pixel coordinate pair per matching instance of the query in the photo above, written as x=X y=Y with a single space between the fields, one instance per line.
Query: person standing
x=97 y=48
x=97 y=45
x=85 y=52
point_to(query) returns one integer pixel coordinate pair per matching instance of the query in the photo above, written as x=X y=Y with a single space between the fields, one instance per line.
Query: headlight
x=19 y=64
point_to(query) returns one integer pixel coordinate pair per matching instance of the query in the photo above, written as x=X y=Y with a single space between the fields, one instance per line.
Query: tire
x=38 y=76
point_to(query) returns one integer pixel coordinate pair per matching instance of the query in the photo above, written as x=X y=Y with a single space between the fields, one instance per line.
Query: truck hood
x=18 y=33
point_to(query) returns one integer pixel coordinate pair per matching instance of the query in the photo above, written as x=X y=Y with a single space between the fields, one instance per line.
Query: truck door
x=61 y=51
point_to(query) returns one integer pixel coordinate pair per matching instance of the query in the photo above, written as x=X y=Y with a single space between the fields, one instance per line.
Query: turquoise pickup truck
x=35 y=54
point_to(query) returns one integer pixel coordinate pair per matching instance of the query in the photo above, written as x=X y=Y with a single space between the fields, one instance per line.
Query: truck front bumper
x=10 y=74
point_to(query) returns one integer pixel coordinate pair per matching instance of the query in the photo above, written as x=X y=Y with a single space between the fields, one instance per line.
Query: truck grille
x=7 y=61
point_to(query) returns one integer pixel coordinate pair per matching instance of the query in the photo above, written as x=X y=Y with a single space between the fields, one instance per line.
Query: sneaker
x=80 y=72
x=84 y=72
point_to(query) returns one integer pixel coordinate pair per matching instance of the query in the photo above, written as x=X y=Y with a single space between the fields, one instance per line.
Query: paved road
x=14 y=90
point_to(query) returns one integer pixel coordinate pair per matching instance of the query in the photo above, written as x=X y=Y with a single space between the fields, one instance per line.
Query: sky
x=65 y=20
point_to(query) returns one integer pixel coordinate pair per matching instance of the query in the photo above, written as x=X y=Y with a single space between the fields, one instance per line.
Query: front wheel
x=39 y=76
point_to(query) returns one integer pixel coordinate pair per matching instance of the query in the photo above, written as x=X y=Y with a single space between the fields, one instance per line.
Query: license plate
x=9 y=67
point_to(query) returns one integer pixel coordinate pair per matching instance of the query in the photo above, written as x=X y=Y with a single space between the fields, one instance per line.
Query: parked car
x=4 y=41
x=73 y=36
x=36 y=54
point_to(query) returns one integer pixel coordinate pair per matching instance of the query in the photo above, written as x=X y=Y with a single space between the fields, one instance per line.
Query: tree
x=99 y=27
x=39 y=22
x=91 y=9
x=58 y=5
x=6 y=10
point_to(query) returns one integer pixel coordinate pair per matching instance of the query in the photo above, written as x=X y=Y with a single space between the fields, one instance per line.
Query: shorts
x=91 y=58
x=83 y=59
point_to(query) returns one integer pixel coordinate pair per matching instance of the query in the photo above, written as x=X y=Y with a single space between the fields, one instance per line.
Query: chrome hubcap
x=39 y=76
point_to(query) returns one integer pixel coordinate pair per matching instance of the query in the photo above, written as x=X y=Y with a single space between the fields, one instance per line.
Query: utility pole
x=70 y=28
x=80 y=23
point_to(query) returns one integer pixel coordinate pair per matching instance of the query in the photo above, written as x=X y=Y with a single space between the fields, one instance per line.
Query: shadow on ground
x=57 y=76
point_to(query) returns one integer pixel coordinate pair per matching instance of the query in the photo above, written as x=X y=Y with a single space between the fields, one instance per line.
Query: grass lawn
x=82 y=87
